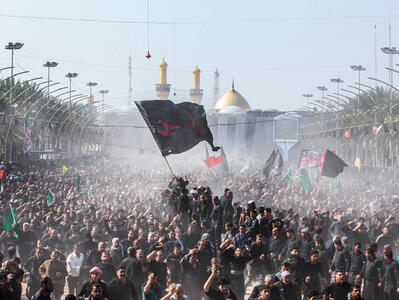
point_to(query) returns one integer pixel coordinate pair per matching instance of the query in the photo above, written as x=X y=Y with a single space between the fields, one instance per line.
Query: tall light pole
x=391 y=51
x=49 y=65
x=90 y=85
x=322 y=89
x=338 y=81
x=70 y=76
x=358 y=68
x=13 y=46
x=307 y=96
x=103 y=92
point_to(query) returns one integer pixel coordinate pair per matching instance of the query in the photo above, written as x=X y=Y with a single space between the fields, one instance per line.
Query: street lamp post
x=322 y=89
x=338 y=81
x=70 y=76
x=391 y=51
x=358 y=68
x=307 y=96
x=91 y=84
x=13 y=46
x=103 y=92
x=49 y=65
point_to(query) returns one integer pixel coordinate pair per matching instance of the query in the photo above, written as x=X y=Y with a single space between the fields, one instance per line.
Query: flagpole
x=170 y=169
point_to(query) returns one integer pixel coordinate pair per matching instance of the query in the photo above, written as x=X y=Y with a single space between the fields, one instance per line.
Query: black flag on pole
x=274 y=164
x=176 y=127
x=269 y=163
x=333 y=165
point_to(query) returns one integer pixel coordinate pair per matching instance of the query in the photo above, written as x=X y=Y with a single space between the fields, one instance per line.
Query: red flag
x=1 y=173
x=212 y=161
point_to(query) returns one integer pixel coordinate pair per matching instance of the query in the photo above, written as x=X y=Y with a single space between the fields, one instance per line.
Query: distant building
x=242 y=131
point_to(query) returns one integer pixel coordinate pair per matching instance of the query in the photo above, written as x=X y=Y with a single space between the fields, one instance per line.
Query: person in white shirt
x=74 y=266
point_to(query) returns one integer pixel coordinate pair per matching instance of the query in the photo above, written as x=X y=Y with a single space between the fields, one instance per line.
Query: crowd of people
x=116 y=231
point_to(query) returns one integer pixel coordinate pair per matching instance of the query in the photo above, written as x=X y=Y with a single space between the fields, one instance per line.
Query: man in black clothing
x=324 y=257
x=355 y=293
x=173 y=262
x=132 y=265
x=276 y=245
x=156 y=263
x=341 y=259
x=128 y=242
x=183 y=206
x=252 y=225
x=357 y=261
x=223 y=292
x=205 y=208
x=390 y=279
x=260 y=253
x=32 y=267
x=227 y=204
x=269 y=282
x=94 y=257
x=339 y=289
x=46 y=289
x=237 y=261
x=121 y=288
x=292 y=241
x=217 y=220
x=288 y=289
x=27 y=239
x=372 y=274
x=106 y=267
x=193 y=274
x=190 y=238
x=314 y=271
x=95 y=278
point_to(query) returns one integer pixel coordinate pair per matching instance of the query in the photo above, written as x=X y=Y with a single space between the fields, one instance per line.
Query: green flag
x=78 y=184
x=50 y=196
x=304 y=183
x=288 y=177
x=65 y=169
x=339 y=188
x=10 y=221
x=243 y=170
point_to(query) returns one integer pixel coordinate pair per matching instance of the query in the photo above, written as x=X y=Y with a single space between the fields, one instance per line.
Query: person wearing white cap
x=288 y=289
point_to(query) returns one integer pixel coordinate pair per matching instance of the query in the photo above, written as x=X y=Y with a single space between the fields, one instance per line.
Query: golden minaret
x=163 y=88
x=196 y=92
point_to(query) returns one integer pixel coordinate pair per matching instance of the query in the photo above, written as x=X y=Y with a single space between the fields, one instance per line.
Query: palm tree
x=327 y=130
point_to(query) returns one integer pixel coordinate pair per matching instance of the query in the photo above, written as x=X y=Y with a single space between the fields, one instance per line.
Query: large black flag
x=269 y=163
x=176 y=127
x=333 y=165
x=274 y=164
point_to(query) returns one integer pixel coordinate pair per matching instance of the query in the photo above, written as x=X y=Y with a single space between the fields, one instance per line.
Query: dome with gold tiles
x=232 y=98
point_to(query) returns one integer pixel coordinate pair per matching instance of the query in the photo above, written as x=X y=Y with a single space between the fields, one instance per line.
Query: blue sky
x=275 y=50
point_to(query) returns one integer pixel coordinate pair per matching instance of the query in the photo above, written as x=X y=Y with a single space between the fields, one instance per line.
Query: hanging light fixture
x=148 y=55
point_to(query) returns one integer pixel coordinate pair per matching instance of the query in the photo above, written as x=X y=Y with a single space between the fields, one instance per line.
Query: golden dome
x=232 y=98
